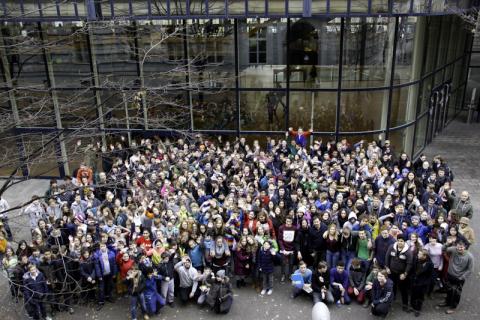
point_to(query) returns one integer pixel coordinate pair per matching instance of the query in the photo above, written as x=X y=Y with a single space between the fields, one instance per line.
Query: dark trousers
x=454 y=291
x=105 y=288
x=418 y=296
x=184 y=294
x=36 y=309
x=381 y=309
x=402 y=285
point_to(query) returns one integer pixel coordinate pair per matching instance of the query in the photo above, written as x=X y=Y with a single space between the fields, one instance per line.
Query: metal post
x=96 y=82
x=237 y=82
x=64 y=167
x=392 y=76
x=340 y=70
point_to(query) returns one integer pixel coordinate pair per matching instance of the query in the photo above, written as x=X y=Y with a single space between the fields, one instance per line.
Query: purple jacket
x=339 y=277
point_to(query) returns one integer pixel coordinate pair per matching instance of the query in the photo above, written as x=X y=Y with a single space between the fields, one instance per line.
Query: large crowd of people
x=186 y=220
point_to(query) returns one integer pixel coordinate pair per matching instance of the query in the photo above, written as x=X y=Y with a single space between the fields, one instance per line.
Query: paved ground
x=459 y=144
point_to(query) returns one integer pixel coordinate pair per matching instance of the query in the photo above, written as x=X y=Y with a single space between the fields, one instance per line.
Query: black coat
x=317 y=242
x=422 y=273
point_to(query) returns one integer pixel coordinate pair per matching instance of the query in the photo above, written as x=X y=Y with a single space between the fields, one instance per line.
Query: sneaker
x=269 y=292
x=146 y=317
x=339 y=304
x=365 y=304
x=450 y=311
x=70 y=310
x=171 y=304
x=263 y=292
x=441 y=305
x=282 y=279
x=417 y=313
x=48 y=318
x=100 y=306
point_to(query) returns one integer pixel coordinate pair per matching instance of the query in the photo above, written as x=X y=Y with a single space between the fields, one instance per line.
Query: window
x=257 y=44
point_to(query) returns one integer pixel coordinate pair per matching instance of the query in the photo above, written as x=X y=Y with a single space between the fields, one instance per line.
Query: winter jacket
x=341 y=278
x=464 y=208
x=34 y=288
x=380 y=247
x=265 y=260
x=356 y=277
x=242 y=258
x=99 y=264
x=196 y=255
x=317 y=242
x=87 y=268
x=382 y=294
x=286 y=237
x=320 y=281
x=399 y=261
x=422 y=273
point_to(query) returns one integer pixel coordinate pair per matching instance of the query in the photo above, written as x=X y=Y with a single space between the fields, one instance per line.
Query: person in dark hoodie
x=381 y=245
x=421 y=278
x=398 y=263
x=356 y=279
x=88 y=278
x=321 y=284
x=317 y=242
x=382 y=295
x=166 y=270
x=34 y=292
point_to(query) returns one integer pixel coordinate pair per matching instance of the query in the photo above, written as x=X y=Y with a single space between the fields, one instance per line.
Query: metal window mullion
x=392 y=76
x=186 y=60
x=237 y=82
x=60 y=148
x=340 y=71
x=287 y=113
x=96 y=82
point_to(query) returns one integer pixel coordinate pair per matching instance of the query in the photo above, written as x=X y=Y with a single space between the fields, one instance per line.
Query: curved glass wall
x=401 y=77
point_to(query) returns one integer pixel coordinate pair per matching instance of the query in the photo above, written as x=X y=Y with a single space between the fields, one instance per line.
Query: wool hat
x=220 y=273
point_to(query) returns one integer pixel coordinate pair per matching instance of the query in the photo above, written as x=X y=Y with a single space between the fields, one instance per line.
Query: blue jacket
x=307 y=276
x=421 y=230
x=99 y=267
x=196 y=255
x=34 y=288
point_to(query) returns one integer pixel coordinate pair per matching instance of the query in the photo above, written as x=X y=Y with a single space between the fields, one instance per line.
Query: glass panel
x=140 y=8
x=319 y=7
x=77 y=108
x=263 y=110
x=113 y=109
x=438 y=5
x=314 y=52
x=211 y=50
x=69 y=54
x=363 y=110
x=214 y=110
x=401 y=140
x=161 y=50
x=338 y=6
x=359 y=6
x=313 y=109
x=432 y=46
x=168 y=110
x=259 y=69
x=159 y=7
x=402 y=112
x=401 y=6
x=67 y=8
x=420 y=133
x=198 y=7
x=178 y=7
x=405 y=50
x=35 y=108
x=368 y=43
x=45 y=163
x=115 y=53
x=236 y=7
x=296 y=6
x=379 y=6
x=9 y=156
x=216 y=7
x=24 y=54
x=256 y=6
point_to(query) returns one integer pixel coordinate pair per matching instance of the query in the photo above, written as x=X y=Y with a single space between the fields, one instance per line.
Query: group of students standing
x=166 y=219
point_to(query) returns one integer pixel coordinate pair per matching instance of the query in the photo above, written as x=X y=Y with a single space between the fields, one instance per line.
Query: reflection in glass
x=263 y=110
x=314 y=53
x=421 y=131
x=214 y=110
x=367 y=52
x=313 y=109
x=363 y=110
x=405 y=50
x=262 y=53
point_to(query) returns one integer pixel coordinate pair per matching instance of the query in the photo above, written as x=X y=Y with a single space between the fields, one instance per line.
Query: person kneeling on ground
x=321 y=284
x=339 y=284
x=220 y=297
x=356 y=274
x=382 y=295
x=301 y=280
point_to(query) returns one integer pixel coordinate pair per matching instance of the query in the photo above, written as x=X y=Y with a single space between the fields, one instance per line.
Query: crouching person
x=321 y=284
x=188 y=276
x=135 y=282
x=153 y=300
x=220 y=297
x=301 y=280
x=382 y=295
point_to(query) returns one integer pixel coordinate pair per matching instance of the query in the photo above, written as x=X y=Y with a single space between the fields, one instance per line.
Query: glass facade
x=219 y=70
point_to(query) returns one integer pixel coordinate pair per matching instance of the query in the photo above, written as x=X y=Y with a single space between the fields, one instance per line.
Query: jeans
x=287 y=263
x=134 y=300
x=267 y=280
x=347 y=257
x=454 y=291
x=332 y=259
x=105 y=288
x=167 y=290
x=328 y=297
